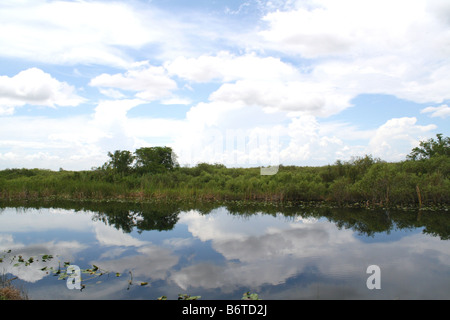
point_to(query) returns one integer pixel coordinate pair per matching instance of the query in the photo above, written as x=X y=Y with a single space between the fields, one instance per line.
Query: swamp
x=167 y=250
x=143 y=227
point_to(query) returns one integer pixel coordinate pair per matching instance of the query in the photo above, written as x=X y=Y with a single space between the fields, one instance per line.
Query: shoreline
x=32 y=199
x=364 y=183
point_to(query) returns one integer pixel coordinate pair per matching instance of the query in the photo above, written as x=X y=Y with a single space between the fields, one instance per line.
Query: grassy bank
x=364 y=180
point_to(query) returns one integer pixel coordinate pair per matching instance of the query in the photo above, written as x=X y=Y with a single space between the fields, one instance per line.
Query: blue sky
x=244 y=83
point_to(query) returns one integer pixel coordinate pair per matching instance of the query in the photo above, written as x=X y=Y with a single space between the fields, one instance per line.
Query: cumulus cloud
x=348 y=45
x=349 y=52
x=442 y=111
x=264 y=82
x=302 y=96
x=303 y=62
x=109 y=113
x=226 y=66
x=395 y=138
x=326 y=28
x=110 y=236
x=150 y=261
x=149 y=82
x=36 y=87
x=51 y=143
x=267 y=250
x=80 y=142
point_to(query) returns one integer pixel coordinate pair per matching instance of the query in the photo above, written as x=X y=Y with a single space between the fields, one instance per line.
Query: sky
x=242 y=83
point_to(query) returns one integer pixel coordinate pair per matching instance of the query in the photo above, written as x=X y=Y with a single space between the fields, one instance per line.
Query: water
x=218 y=252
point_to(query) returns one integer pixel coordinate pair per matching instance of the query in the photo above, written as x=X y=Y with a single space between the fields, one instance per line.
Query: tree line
x=423 y=178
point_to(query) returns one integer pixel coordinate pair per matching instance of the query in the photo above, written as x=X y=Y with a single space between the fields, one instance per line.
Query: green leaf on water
x=62 y=276
x=250 y=296
x=187 y=297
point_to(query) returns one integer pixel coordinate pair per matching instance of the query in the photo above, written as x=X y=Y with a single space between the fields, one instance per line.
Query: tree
x=431 y=148
x=120 y=161
x=155 y=159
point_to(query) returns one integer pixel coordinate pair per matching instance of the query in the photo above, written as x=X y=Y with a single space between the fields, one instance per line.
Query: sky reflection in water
x=221 y=255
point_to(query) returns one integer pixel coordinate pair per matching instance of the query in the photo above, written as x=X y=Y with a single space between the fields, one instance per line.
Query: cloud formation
x=401 y=56
x=72 y=32
x=35 y=87
x=442 y=111
x=288 y=68
x=150 y=82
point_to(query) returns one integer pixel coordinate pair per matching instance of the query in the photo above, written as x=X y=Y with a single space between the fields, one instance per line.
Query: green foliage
x=250 y=296
x=152 y=173
x=430 y=148
x=184 y=296
x=155 y=159
x=143 y=160
x=120 y=161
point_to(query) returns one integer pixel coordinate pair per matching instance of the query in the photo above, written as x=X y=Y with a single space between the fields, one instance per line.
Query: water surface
x=221 y=252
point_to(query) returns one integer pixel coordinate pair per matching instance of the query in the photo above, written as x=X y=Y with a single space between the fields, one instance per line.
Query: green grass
x=364 y=180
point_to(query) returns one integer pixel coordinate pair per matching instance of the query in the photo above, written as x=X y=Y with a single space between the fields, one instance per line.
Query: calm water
x=221 y=252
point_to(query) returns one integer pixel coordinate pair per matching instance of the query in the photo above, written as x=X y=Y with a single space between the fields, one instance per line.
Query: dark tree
x=155 y=159
x=120 y=161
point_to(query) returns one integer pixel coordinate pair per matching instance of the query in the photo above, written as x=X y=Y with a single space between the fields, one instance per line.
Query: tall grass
x=363 y=180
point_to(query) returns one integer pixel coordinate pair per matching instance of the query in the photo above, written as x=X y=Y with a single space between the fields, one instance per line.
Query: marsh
x=145 y=251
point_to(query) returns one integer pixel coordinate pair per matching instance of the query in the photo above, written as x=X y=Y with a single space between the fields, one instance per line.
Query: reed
x=364 y=180
x=419 y=196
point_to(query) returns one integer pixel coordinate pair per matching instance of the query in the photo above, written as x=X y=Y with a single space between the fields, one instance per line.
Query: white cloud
x=298 y=96
x=110 y=113
x=112 y=93
x=65 y=250
x=351 y=49
x=99 y=32
x=300 y=64
x=307 y=143
x=266 y=82
x=150 y=82
x=176 y=100
x=442 y=111
x=327 y=28
x=269 y=250
x=150 y=262
x=37 y=221
x=394 y=139
x=110 y=236
x=225 y=66
x=34 y=86
x=80 y=142
x=72 y=32
x=40 y=142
